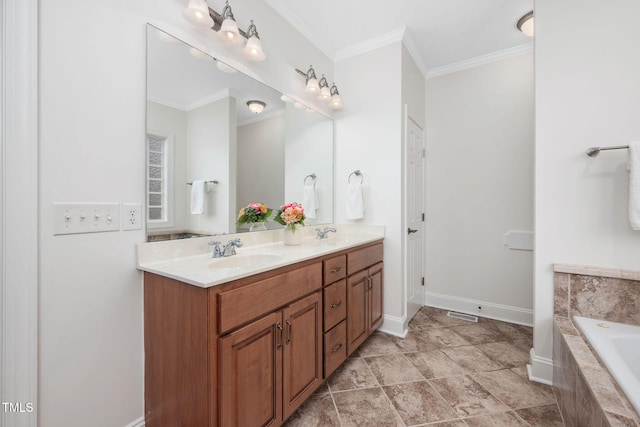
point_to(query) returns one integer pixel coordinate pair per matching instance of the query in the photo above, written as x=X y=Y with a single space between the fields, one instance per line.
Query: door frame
x=19 y=213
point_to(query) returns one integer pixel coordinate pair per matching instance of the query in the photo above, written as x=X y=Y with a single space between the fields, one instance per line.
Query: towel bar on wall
x=206 y=182
x=356 y=173
x=594 y=151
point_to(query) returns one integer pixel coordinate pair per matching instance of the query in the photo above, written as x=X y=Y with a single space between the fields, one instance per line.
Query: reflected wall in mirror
x=200 y=128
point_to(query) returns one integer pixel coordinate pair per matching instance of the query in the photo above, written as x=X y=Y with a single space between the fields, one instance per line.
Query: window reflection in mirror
x=200 y=128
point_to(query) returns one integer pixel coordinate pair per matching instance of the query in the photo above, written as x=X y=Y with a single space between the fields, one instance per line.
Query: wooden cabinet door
x=251 y=374
x=357 y=321
x=302 y=351
x=375 y=297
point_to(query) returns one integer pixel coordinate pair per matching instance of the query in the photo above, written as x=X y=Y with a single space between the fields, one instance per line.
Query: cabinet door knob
x=411 y=230
x=336 y=348
x=337 y=269
x=338 y=304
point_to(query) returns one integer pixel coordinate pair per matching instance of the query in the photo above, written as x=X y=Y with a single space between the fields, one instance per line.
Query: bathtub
x=618 y=346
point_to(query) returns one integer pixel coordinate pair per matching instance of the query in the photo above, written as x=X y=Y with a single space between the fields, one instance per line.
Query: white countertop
x=190 y=260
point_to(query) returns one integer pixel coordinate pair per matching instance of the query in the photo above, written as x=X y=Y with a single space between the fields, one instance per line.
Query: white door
x=414 y=170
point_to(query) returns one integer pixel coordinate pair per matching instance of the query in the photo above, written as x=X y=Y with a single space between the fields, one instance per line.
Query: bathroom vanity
x=245 y=341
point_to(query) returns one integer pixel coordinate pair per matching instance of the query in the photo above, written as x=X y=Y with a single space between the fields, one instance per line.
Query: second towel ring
x=356 y=173
x=312 y=176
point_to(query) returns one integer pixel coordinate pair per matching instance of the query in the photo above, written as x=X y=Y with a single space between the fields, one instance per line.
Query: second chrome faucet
x=229 y=249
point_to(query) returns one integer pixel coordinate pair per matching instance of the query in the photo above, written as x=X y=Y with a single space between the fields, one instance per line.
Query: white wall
x=369 y=138
x=172 y=121
x=92 y=127
x=480 y=140
x=211 y=148
x=260 y=176
x=587 y=94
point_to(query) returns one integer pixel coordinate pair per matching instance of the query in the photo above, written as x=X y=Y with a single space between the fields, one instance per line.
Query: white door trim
x=19 y=217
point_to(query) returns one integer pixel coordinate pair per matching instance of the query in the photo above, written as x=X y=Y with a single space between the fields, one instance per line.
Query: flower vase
x=257 y=226
x=292 y=237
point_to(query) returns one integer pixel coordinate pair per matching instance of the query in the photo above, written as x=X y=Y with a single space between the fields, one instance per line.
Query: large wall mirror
x=200 y=128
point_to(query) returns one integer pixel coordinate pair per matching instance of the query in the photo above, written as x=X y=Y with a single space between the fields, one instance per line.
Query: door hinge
x=422 y=281
x=424 y=152
x=422 y=216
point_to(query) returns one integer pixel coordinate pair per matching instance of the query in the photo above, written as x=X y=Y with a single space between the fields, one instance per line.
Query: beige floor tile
x=514 y=390
x=418 y=403
x=352 y=374
x=443 y=338
x=467 y=397
x=503 y=419
x=377 y=344
x=472 y=359
x=393 y=369
x=318 y=411
x=476 y=334
x=505 y=353
x=366 y=408
x=435 y=364
x=548 y=416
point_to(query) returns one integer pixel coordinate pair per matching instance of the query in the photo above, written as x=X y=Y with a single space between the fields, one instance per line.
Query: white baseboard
x=137 y=423
x=506 y=313
x=540 y=369
x=394 y=326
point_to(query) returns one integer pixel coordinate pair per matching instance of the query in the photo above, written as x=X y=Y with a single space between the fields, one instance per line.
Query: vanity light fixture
x=336 y=102
x=525 y=24
x=199 y=14
x=325 y=92
x=321 y=88
x=256 y=107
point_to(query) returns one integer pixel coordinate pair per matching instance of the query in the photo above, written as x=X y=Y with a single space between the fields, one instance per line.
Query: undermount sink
x=244 y=261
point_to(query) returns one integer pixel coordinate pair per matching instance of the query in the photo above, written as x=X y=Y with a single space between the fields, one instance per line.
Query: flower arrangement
x=254 y=212
x=290 y=215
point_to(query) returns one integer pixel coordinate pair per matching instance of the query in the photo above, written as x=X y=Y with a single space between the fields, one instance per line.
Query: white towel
x=355 y=201
x=310 y=201
x=634 y=185
x=197 y=197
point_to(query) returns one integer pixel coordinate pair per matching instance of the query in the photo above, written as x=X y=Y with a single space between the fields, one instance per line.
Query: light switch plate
x=76 y=218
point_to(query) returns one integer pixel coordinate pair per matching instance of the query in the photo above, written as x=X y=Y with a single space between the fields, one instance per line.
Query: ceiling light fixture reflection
x=224 y=67
x=525 y=24
x=256 y=107
x=197 y=53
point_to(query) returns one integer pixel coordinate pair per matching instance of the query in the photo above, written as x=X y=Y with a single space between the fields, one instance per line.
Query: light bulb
x=197 y=12
x=253 y=49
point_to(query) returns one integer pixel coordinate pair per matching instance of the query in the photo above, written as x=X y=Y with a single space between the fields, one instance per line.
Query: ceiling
x=437 y=32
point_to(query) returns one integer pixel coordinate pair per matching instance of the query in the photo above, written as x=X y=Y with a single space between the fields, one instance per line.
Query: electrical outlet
x=131 y=215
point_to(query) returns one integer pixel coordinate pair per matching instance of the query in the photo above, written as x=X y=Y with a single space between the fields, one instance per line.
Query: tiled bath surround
x=587 y=394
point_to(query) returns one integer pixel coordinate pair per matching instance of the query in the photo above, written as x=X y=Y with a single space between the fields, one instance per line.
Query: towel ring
x=312 y=176
x=356 y=173
x=206 y=182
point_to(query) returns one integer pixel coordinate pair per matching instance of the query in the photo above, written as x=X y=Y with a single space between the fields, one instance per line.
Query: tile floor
x=447 y=372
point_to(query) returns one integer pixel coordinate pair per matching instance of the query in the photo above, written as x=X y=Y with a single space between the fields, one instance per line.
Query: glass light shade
x=229 y=32
x=197 y=12
x=312 y=86
x=336 y=102
x=225 y=68
x=285 y=98
x=325 y=94
x=256 y=107
x=525 y=24
x=253 y=49
x=298 y=105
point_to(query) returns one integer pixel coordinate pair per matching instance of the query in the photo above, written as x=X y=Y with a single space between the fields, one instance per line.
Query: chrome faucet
x=322 y=234
x=230 y=248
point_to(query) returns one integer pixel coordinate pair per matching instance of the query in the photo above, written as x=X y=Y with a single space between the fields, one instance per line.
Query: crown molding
x=480 y=60
x=296 y=22
x=370 y=44
x=224 y=93
x=262 y=117
x=412 y=47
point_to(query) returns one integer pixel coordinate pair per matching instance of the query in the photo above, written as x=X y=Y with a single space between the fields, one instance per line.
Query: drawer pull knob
x=289 y=332
x=335 y=270
x=336 y=305
x=338 y=347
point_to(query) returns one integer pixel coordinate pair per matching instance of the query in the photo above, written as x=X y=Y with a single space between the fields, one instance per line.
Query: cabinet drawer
x=335 y=304
x=243 y=304
x=363 y=258
x=335 y=269
x=335 y=348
